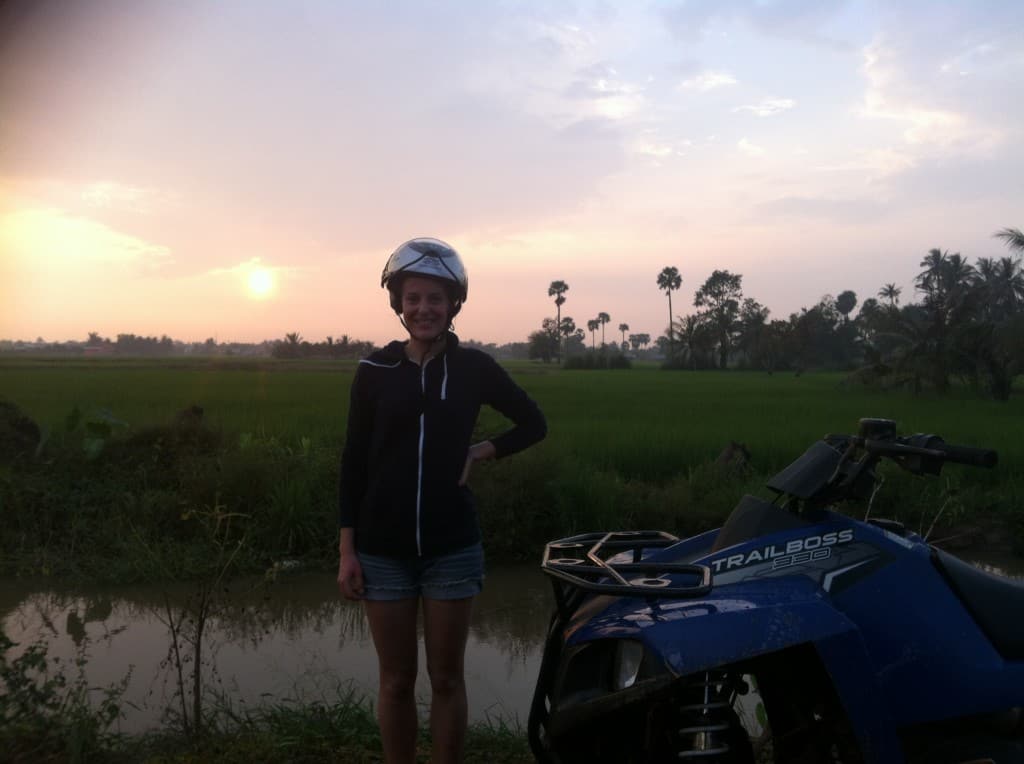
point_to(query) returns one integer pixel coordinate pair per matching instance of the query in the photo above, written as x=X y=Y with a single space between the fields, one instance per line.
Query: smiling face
x=426 y=308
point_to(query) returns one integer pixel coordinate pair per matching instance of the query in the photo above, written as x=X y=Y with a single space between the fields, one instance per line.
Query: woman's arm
x=350 y=572
x=478 y=452
x=505 y=396
x=352 y=478
x=352 y=486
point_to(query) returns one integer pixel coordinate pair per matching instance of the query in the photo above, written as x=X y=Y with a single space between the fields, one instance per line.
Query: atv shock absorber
x=706 y=719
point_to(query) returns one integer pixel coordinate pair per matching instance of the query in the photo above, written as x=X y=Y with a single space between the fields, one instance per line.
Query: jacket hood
x=395 y=350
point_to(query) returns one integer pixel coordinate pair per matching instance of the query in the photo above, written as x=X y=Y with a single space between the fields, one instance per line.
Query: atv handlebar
x=842 y=467
x=934 y=447
x=974 y=457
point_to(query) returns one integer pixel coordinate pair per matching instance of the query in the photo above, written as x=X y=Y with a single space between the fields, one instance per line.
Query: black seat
x=997 y=603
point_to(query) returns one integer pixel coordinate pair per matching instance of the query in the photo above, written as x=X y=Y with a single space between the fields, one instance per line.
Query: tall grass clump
x=126 y=506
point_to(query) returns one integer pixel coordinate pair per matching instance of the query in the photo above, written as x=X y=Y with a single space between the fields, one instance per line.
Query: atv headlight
x=604 y=668
x=629 y=655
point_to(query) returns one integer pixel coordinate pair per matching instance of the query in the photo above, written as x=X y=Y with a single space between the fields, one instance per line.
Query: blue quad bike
x=791 y=634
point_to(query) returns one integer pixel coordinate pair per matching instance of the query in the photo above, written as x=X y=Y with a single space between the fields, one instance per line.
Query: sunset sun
x=260 y=283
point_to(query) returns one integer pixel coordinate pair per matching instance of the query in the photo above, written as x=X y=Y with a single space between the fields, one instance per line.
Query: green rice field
x=640 y=423
x=626 y=448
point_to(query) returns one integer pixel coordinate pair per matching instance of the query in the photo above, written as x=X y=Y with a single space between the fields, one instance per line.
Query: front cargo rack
x=589 y=563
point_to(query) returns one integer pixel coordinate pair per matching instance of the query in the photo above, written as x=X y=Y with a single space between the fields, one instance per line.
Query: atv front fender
x=740 y=622
x=728 y=625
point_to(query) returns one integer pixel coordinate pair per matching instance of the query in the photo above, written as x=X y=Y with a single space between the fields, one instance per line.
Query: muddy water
x=292 y=639
x=288 y=640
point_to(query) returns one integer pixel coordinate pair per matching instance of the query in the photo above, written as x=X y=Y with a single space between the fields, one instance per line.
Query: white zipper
x=419 y=473
x=444 y=384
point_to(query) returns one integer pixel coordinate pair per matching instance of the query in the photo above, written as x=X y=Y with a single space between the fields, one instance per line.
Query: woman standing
x=409 y=531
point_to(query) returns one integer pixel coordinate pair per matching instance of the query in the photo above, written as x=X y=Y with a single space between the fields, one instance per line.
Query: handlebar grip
x=974 y=457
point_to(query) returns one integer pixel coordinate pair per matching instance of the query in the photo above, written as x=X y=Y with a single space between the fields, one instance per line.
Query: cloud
x=768 y=107
x=243 y=267
x=255 y=263
x=892 y=96
x=608 y=95
x=56 y=239
x=708 y=80
x=750 y=149
x=654 y=150
x=651 y=144
x=564 y=37
x=970 y=61
x=122 y=197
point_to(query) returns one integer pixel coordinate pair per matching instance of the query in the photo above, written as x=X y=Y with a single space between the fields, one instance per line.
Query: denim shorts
x=452 y=576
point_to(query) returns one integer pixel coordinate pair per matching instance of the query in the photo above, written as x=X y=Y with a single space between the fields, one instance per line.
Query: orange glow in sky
x=244 y=170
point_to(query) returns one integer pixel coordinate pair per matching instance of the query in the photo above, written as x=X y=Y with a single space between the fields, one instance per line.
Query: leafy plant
x=46 y=715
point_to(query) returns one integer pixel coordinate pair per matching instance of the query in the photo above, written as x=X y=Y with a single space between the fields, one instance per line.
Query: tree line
x=294 y=346
x=560 y=336
x=968 y=324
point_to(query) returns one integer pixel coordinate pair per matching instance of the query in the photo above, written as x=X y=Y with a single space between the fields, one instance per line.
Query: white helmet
x=425 y=257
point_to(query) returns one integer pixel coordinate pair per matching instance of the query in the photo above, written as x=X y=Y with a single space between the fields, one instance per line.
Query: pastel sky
x=242 y=169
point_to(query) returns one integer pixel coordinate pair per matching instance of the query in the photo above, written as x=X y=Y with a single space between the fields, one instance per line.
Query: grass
x=626 y=449
x=341 y=730
x=48 y=717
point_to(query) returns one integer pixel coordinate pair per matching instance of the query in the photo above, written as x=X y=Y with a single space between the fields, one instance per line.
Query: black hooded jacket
x=409 y=433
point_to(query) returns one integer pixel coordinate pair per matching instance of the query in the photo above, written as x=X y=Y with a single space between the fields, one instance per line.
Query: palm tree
x=567 y=328
x=950 y=300
x=623 y=328
x=603 y=318
x=1002 y=285
x=945 y=276
x=557 y=289
x=959 y=273
x=1011 y=279
x=930 y=279
x=287 y=349
x=669 y=280
x=592 y=325
x=1009 y=273
x=1013 y=237
x=845 y=303
x=890 y=292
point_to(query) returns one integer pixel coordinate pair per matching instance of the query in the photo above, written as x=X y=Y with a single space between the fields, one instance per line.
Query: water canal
x=292 y=639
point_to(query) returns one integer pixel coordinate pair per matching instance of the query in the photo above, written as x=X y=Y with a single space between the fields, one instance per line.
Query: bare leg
x=446 y=629
x=393 y=626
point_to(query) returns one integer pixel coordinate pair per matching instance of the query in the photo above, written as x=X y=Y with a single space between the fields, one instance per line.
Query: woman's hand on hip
x=350 y=577
x=478 y=452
